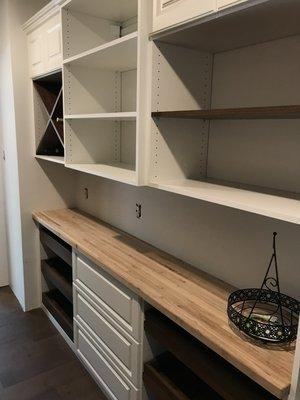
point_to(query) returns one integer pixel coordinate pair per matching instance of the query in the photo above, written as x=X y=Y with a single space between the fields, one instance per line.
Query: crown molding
x=41 y=16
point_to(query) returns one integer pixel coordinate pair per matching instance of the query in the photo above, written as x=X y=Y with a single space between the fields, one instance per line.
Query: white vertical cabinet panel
x=167 y=13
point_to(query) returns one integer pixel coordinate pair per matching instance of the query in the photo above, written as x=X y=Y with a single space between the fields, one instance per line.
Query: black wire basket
x=265 y=314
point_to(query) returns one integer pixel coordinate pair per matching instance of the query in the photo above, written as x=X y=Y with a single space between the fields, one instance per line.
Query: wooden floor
x=35 y=361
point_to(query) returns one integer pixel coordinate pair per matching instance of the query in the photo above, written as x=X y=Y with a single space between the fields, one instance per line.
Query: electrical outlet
x=138 y=210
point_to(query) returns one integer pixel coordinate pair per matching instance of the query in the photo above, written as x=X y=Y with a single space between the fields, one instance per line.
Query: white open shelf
x=114 y=10
x=283 y=208
x=116 y=116
x=54 y=159
x=90 y=24
x=251 y=164
x=120 y=55
x=120 y=172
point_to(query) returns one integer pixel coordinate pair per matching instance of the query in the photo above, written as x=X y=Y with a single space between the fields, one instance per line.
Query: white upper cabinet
x=44 y=42
x=167 y=13
x=53 y=42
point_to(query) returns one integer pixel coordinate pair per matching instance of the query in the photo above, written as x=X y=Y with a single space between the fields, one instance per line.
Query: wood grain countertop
x=193 y=299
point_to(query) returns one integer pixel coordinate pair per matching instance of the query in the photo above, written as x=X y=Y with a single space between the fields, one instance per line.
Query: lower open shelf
x=61 y=309
x=120 y=172
x=226 y=380
x=168 y=379
x=59 y=274
x=270 y=203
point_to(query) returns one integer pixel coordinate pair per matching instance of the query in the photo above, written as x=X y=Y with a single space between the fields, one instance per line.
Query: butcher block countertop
x=193 y=299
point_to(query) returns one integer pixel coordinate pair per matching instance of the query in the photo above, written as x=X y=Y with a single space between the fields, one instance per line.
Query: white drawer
x=114 y=386
x=118 y=348
x=111 y=295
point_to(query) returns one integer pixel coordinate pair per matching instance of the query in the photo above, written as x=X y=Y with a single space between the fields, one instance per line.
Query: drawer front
x=122 y=351
x=113 y=297
x=167 y=13
x=63 y=250
x=114 y=386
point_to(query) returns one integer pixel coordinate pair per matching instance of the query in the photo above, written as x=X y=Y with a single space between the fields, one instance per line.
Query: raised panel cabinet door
x=167 y=13
x=36 y=53
x=227 y=3
x=53 y=43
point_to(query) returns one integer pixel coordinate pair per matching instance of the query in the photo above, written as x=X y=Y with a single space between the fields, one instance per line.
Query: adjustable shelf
x=115 y=116
x=280 y=112
x=120 y=55
x=49 y=116
x=280 y=205
x=120 y=172
x=54 y=159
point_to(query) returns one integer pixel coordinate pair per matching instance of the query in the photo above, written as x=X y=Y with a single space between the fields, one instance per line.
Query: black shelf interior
x=49 y=89
x=59 y=274
x=61 y=310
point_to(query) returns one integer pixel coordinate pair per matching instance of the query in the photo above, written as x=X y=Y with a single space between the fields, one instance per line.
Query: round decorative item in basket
x=265 y=314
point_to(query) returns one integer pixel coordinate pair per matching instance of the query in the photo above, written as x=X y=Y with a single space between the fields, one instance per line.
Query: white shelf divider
x=115 y=116
x=119 y=54
x=120 y=172
x=54 y=159
x=269 y=205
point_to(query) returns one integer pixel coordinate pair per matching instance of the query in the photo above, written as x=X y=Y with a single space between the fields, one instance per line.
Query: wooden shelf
x=61 y=309
x=191 y=298
x=60 y=275
x=115 y=116
x=280 y=112
x=168 y=379
x=117 y=55
x=120 y=172
x=218 y=374
x=280 y=205
x=55 y=159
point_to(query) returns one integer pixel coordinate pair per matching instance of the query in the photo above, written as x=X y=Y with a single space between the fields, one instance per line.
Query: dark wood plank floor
x=35 y=361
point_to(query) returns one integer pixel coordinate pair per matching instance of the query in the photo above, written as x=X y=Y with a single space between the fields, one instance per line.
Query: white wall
x=11 y=177
x=22 y=170
x=232 y=245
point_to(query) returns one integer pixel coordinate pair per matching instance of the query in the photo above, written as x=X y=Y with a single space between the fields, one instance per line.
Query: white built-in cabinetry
x=104 y=83
x=167 y=13
x=44 y=43
x=107 y=330
x=172 y=13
